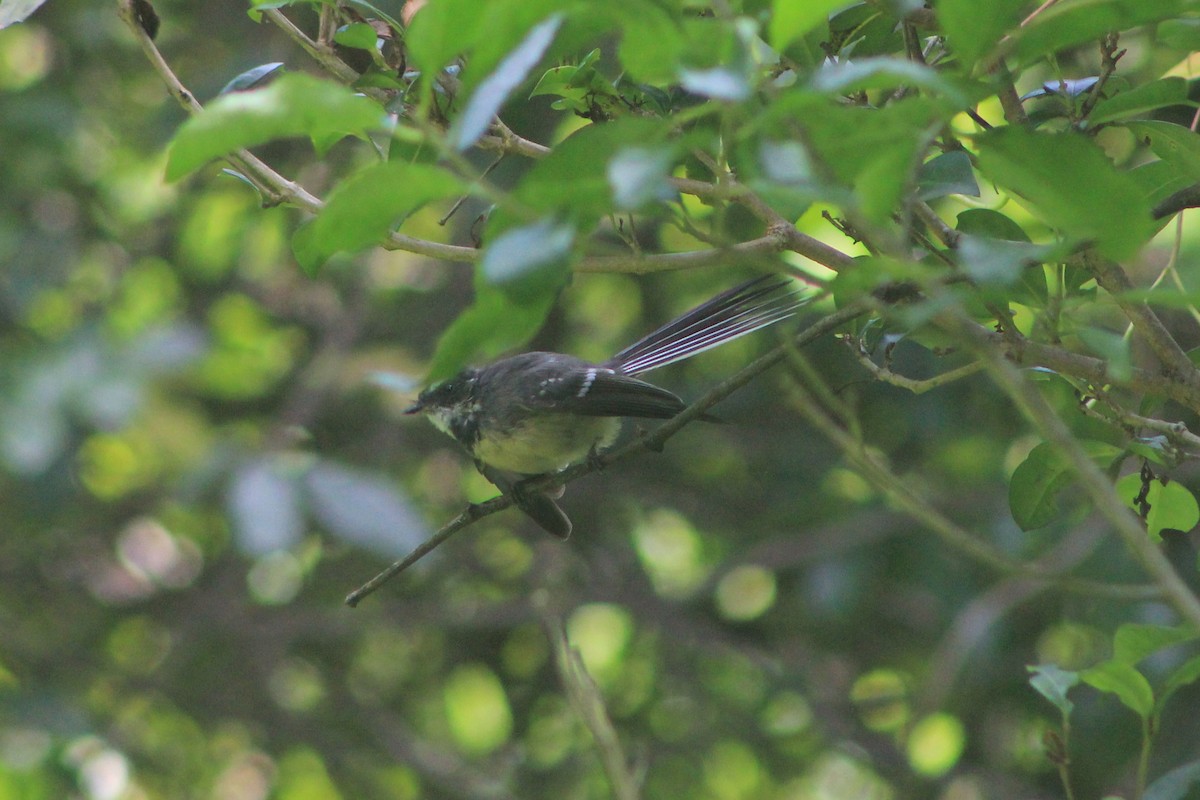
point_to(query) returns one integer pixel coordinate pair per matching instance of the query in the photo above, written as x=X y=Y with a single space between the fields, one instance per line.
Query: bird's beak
x=415 y=408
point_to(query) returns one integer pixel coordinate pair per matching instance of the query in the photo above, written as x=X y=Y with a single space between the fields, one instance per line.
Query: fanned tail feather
x=743 y=309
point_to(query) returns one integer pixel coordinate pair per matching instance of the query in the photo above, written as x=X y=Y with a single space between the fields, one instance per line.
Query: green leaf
x=875 y=151
x=494 y=90
x=1129 y=685
x=1160 y=179
x=1053 y=683
x=441 y=31
x=1070 y=24
x=1035 y=487
x=949 y=173
x=294 y=105
x=1141 y=100
x=791 y=19
x=1073 y=184
x=1176 y=784
x=358 y=35
x=251 y=78
x=1181 y=34
x=493 y=325
x=530 y=261
x=366 y=206
x=1175 y=144
x=1135 y=641
x=651 y=41
x=1034 y=491
x=990 y=224
x=573 y=181
x=1171 y=506
x=973 y=28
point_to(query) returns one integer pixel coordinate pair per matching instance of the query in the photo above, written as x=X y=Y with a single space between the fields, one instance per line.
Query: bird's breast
x=545 y=442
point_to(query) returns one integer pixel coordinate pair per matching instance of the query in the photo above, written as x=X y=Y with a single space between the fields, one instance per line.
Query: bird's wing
x=601 y=392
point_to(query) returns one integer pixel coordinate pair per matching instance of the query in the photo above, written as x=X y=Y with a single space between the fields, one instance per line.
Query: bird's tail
x=741 y=310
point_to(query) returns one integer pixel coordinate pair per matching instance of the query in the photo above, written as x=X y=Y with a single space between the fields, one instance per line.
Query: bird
x=536 y=413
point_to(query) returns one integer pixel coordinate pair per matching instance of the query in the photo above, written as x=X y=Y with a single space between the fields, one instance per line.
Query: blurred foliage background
x=196 y=466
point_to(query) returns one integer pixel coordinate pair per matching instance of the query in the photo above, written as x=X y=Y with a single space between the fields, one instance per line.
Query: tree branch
x=588 y=703
x=1112 y=279
x=1093 y=481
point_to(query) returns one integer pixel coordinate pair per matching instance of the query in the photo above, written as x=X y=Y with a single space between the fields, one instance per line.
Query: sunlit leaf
x=1172 y=506
x=477 y=710
x=935 y=744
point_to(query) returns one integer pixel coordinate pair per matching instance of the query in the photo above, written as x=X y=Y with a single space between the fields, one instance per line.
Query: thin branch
x=945 y=234
x=1029 y=353
x=273 y=186
x=324 y=55
x=914 y=385
x=908 y=499
x=588 y=703
x=692 y=259
x=1113 y=280
x=1109 y=56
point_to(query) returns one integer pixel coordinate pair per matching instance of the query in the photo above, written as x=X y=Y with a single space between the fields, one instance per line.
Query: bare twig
x=914 y=385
